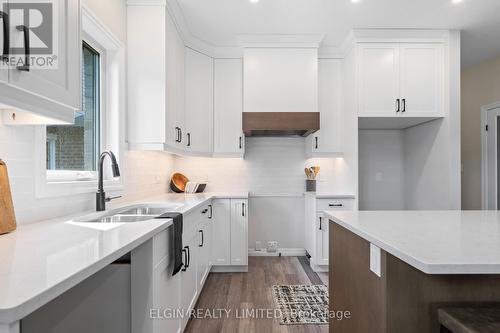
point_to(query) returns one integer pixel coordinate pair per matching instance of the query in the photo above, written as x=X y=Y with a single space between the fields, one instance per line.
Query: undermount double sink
x=135 y=213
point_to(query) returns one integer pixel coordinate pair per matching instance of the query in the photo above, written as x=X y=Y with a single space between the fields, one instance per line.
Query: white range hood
x=280 y=78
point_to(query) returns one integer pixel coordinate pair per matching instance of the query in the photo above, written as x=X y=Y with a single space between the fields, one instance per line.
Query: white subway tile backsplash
x=144 y=174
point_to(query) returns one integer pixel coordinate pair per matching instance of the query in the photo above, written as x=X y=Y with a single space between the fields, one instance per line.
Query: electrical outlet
x=272 y=246
x=258 y=246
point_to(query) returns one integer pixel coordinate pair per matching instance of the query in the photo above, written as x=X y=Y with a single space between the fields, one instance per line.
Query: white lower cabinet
x=322 y=241
x=317 y=226
x=188 y=277
x=162 y=302
x=221 y=249
x=239 y=232
x=230 y=235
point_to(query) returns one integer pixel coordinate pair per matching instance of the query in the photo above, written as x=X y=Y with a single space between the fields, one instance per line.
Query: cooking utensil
x=178 y=182
x=7 y=214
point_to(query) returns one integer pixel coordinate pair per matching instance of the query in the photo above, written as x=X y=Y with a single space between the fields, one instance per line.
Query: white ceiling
x=218 y=22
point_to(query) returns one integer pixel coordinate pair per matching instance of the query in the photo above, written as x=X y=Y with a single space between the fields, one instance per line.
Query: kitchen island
x=392 y=270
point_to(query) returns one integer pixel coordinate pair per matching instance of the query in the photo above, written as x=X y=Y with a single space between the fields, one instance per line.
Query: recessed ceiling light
x=456 y=1
x=254 y=1
x=355 y=1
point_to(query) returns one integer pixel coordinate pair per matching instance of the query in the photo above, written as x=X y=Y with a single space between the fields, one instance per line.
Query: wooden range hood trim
x=285 y=123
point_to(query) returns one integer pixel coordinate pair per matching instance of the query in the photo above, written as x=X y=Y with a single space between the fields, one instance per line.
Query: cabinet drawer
x=334 y=204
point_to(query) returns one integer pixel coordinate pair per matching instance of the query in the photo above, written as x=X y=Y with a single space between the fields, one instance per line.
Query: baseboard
x=285 y=252
x=229 y=269
x=319 y=268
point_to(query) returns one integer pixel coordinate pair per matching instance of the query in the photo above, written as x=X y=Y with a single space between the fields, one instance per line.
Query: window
x=77 y=147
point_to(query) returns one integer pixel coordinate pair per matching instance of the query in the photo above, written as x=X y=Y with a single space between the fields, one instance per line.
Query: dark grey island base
x=403 y=299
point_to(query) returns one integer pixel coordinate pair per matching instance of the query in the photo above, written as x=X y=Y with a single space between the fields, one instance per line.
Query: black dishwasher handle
x=27 y=49
x=6 y=36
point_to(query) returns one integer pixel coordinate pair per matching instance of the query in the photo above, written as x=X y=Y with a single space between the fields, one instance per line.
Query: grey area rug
x=302 y=304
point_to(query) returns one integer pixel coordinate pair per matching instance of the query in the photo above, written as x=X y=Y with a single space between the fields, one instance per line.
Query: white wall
x=406 y=169
x=381 y=170
x=273 y=173
x=144 y=173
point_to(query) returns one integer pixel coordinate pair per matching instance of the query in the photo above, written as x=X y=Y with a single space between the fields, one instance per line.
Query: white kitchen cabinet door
x=166 y=295
x=4 y=72
x=221 y=244
x=146 y=79
x=199 y=103
x=62 y=83
x=175 y=63
x=204 y=238
x=239 y=232
x=189 y=285
x=322 y=241
x=422 y=80
x=228 y=111
x=328 y=140
x=378 y=79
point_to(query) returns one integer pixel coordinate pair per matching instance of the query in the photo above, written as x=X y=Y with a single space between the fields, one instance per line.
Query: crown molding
x=146 y=2
x=280 y=40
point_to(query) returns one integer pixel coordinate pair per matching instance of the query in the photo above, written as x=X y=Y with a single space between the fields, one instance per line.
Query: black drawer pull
x=336 y=205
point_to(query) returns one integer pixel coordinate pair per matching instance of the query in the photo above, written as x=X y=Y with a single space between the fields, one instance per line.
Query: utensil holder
x=310 y=185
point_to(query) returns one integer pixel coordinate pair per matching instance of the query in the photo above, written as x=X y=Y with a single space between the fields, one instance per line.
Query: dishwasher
x=99 y=304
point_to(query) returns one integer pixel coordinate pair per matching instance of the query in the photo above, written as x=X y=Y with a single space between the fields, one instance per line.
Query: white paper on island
x=375 y=264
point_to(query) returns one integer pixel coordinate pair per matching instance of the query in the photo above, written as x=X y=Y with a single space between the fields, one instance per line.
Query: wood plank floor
x=253 y=290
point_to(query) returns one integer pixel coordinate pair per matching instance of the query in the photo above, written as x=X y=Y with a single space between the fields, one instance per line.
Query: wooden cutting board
x=7 y=215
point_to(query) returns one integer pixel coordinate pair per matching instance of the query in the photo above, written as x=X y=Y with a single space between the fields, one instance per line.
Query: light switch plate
x=375 y=260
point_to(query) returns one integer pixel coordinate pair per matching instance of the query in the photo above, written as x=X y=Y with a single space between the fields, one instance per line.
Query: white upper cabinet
x=400 y=79
x=49 y=88
x=175 y=99
x=328 y=140
x=199 y=103
x=378 y=69
x=228 y=101
x=146 y=79
x=281 y=80
x=422 y=76
x=156 y=90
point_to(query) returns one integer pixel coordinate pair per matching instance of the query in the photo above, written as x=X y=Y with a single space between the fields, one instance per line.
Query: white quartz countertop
x=330 y=195
x=434 y=242
x=40 y=261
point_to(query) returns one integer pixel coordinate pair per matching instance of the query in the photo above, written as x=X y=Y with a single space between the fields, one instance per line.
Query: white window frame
x=51 y=183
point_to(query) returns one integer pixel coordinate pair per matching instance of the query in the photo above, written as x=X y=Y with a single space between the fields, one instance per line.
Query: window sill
x=47 y=189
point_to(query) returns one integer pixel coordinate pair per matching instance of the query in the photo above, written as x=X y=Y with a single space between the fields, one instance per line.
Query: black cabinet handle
x=189 y=139
x=241 y=143
x=404 y=105
x=6 y=36
x=398 y=105
x=316 y=144
x=185 y=255
x=188 y=256
x=202 y=238
x=320 y=223
x=177 y=131
x=243 y=209
x=27 y=56
x=211 y=211
x=180 y=134
x=336 y=205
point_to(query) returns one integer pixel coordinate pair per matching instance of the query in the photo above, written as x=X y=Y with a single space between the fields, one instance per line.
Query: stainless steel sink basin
x=135 y=213
x=122 y=219
x=146 y=211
